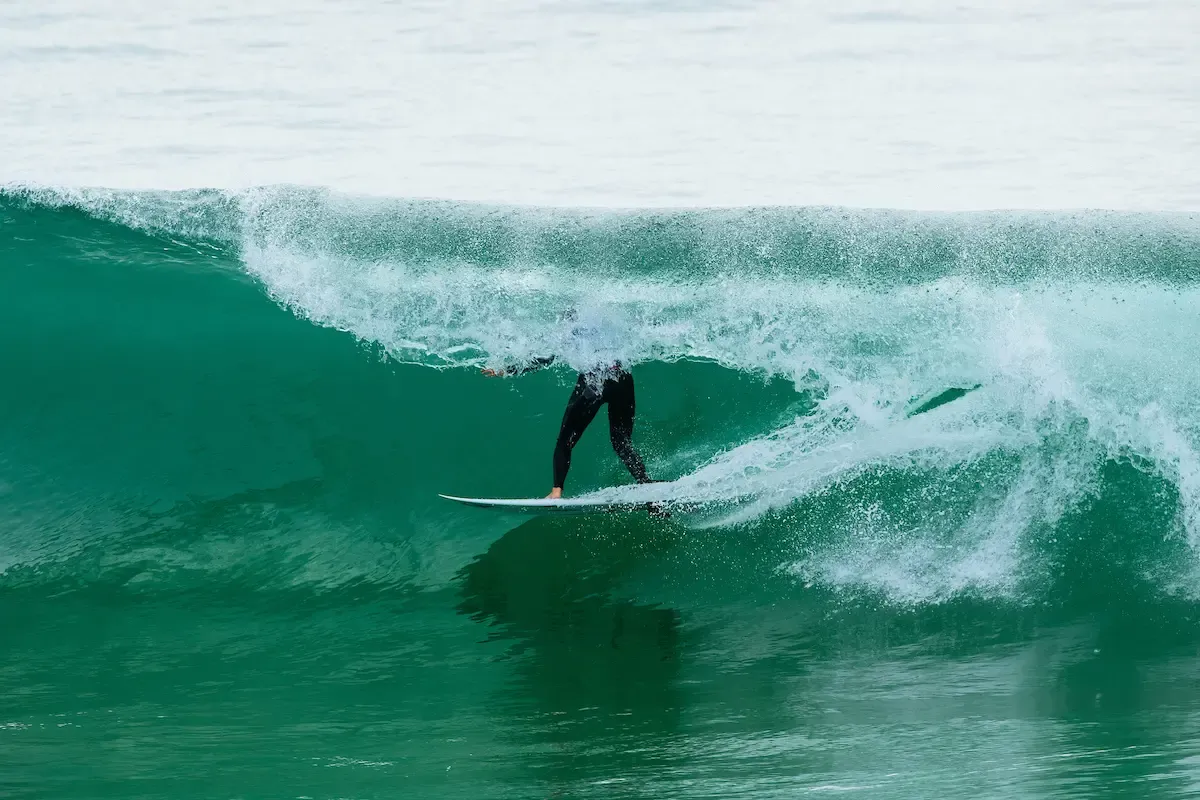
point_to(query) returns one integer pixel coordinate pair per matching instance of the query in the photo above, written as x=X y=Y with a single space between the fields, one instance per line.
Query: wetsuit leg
x=582 y=406
x=619 y=395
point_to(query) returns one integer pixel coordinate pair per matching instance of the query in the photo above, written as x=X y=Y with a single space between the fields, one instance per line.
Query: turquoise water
x=224 y=570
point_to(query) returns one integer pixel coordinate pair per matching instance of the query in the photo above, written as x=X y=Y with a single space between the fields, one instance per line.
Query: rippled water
x=868 y=103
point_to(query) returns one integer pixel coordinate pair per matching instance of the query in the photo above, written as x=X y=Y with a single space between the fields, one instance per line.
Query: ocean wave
x=780 y=354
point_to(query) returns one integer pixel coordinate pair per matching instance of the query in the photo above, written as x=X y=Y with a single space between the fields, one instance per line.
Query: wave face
x=266 y=389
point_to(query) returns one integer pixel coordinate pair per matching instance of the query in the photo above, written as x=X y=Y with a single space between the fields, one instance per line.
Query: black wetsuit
x=612 y=385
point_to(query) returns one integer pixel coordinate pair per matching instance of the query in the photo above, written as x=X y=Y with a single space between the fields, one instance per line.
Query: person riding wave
x=605 y=380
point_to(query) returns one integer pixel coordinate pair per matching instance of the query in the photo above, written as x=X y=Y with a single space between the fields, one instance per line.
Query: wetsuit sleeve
x=532 y=366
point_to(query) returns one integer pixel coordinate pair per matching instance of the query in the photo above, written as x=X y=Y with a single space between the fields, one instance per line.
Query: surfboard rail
x=546 y=505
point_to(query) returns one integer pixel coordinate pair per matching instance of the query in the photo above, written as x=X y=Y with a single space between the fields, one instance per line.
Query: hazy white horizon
x=935 y=105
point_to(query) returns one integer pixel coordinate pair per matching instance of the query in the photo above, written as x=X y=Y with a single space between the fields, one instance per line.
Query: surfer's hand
x=494 y=373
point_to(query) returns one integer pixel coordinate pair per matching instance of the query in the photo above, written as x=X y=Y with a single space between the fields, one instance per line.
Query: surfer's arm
x=532 y=366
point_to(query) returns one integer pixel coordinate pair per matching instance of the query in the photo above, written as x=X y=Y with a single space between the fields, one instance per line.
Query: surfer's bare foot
x=555 y=493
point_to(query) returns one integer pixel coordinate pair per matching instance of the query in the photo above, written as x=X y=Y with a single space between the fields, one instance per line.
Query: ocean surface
x=911 y=294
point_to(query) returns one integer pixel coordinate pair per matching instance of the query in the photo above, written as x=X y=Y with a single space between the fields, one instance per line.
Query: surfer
x=607 y=383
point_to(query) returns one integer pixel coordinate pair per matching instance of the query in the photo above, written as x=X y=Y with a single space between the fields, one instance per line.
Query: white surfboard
x=544 y=505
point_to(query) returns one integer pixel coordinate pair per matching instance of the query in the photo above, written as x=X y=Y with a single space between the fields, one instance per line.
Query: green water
x=224 y=570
